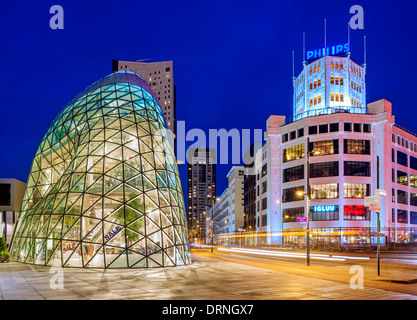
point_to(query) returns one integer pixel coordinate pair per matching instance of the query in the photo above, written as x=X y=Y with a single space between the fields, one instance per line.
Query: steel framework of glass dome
x=104 y=189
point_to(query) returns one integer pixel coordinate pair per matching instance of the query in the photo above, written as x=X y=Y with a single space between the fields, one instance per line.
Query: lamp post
x=307 y=199
x=212 y=223
x=280 y=202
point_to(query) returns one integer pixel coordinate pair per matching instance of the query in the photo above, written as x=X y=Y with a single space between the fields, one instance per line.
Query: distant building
x=11 y=197
x=229 y=208
x=160 y=77
x=201 y=189
x=249 y=191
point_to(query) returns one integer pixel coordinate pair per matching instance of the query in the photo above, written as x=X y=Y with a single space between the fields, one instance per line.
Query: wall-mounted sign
x=301 y=219
x=331 y=208
x=333 y=50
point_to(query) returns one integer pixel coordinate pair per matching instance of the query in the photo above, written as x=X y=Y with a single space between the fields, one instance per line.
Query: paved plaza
x=205 y=279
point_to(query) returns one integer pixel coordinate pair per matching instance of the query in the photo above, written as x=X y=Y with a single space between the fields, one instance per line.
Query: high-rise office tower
x=201 y=189
x=160 y=77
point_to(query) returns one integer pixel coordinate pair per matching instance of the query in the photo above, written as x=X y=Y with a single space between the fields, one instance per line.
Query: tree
x=130 y=215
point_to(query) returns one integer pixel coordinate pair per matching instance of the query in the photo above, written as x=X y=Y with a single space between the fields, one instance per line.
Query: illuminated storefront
x=104 y=189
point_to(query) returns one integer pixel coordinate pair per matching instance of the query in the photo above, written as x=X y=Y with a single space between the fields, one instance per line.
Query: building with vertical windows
x=11 y=197
x=339 y=150
x=201 y=189
x=228 y=209
x=329 y=84
x=160 y=77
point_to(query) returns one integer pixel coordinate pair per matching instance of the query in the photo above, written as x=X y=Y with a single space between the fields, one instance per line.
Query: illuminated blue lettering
x=318 y=53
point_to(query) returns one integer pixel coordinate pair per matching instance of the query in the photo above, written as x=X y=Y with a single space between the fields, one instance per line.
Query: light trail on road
x=291 y=254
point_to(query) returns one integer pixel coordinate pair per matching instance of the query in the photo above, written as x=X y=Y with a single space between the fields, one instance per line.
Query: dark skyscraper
x=201 y=189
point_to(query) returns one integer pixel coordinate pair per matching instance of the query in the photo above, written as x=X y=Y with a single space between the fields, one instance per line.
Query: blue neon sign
x=331 y=208
x=313 y=54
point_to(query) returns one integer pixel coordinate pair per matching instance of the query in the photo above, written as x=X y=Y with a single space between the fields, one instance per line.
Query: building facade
x=228 y=209
x=11 y=197
x=201 y=189
x=104 y=189
x=337 y=150
x=160 y=77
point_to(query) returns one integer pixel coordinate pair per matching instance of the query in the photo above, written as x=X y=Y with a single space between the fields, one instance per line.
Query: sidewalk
x=206 y=279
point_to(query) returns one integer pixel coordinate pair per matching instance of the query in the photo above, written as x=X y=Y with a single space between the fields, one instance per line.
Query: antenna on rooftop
x=364 y=51
x=293 y=65
x=325 y=36
x=304 y=47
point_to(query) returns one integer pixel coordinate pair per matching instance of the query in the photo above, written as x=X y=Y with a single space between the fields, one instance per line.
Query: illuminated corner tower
x=330 y=82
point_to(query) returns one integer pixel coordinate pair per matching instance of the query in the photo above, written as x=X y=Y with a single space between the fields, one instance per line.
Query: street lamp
x=306 y=197
x=281 y=203
x=212 y=223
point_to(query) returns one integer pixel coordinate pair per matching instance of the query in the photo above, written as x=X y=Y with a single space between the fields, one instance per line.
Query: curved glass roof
x=104 y=189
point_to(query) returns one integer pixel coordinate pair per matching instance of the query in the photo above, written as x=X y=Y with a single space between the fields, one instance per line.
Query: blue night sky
x=232 y=59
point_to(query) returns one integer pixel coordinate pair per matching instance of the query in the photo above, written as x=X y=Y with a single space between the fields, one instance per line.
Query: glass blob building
x=104 y=189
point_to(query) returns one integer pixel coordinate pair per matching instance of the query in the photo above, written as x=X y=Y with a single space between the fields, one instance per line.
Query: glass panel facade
x=293 y=153
x=402 y=197
x=104 y=189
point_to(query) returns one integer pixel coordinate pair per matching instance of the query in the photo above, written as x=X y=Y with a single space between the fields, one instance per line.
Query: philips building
x=337 y=149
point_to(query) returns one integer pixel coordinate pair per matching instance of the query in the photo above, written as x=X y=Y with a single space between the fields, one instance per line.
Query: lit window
x=332 y=96
x=331 y=80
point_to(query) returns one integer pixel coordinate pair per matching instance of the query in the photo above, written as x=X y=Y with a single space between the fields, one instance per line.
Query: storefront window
x=354 y=146
x=357 y=168
x=324 y=169
x=323 y=148
x=402 y=178
x=293 y=174
x=352 y=212
x=324 y=191
x=402 y=216
x=291 y=214
x=356 y=190
x=293 y=153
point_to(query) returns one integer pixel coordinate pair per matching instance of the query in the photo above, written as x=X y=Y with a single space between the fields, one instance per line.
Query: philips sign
x=333 y=50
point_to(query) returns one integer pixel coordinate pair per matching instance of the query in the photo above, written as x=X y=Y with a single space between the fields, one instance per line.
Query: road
x=398 y=271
